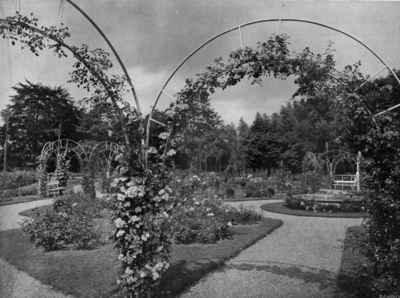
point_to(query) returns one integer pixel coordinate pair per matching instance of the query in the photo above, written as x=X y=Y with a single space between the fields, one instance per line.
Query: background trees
x=35 y=115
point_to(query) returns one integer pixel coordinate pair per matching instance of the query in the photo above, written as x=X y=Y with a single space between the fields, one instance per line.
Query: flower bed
x=208 y=220
x=298 y=203
x=69 y=222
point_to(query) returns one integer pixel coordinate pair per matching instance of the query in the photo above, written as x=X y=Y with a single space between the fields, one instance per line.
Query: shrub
x=78 y=204
x=193 y=228
x=208 y=220
x=48 y=229
x=259 y=189
x=71 y=222
x=230 y=193
x=241 y=215
x=16 y=178
x=383 y=246
x=271 y=191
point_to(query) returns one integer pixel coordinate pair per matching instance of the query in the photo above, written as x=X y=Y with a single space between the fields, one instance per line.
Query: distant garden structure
x=63 y=151
x=330 y=161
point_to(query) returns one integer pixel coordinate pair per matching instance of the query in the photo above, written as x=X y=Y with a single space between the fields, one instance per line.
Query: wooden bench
x=53 y=188
x=345 y=184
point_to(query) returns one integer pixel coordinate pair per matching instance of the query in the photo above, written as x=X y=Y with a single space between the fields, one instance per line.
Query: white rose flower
x=171 y=152
x=119 y=222
x=120 y=233
x=135 y=218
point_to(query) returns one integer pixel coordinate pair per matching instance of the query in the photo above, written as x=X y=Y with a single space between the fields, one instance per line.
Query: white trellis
x=105 y=152
x=331 y=159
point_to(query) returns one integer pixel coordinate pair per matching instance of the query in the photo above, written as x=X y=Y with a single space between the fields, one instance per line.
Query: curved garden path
x=15 y=283
x=300 y=259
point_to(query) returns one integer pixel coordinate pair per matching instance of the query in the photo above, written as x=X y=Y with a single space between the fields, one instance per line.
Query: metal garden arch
x=105 y=152
x=386 y=66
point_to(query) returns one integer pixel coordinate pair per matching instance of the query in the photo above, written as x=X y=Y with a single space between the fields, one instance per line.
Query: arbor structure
x=104 y=152
x=330 y=160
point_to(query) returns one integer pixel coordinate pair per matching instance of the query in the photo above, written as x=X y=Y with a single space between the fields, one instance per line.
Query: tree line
x=38 y=114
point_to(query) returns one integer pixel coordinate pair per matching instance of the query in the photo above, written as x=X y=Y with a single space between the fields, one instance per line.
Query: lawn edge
x=208 y=266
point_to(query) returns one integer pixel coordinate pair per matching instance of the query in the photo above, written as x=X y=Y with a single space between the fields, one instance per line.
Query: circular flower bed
x=348 y=205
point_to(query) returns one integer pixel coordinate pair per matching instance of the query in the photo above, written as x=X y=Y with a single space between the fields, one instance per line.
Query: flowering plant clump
x=142 y=225
x=62 y=170
x=189 y=187
x=198 y=220
x=294 y=202
x=42 y=180
x=71 y=222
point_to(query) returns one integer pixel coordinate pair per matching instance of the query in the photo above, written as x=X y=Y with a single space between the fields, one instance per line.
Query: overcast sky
x=153 y=37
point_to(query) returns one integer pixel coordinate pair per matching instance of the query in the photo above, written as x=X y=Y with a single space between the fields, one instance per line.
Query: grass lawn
x=93 y=273
x=280 y=208
x=351 y=283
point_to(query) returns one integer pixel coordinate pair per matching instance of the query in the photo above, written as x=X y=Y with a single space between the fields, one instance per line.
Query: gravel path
x=15 y=283
x=9 y=217
x=300 y=259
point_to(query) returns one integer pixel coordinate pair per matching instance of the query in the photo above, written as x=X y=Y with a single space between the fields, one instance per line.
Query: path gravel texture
x=9 y=217
x=300 y=259
x=13 y=282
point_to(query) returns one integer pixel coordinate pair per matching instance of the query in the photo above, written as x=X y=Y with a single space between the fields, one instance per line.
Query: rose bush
x=70 y=222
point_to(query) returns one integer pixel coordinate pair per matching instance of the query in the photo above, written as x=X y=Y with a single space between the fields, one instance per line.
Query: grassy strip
x=351 y=282
x=280 y=208
x=93 y=273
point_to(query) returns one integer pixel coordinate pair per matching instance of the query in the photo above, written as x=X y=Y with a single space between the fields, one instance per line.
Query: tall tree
x=35 y=115
x=192 y=118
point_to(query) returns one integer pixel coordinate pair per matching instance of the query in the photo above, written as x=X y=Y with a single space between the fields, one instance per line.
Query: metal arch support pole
x=60 y=14
x=370 y=78
x=383 y=112
x=240 y=36
x=173 y=98
x=279 y=28
x=113 y=50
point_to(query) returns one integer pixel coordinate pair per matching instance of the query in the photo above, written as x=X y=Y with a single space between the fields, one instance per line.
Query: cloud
x=148 y=85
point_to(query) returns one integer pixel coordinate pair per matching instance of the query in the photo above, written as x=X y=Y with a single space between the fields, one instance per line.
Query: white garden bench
x=53 y=188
